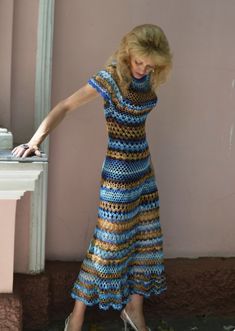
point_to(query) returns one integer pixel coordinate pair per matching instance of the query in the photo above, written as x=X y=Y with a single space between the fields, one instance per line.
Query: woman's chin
x=137 y=76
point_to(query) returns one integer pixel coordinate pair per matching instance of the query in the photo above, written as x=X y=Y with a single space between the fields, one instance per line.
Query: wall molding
x=42 y=108
x=44 y=64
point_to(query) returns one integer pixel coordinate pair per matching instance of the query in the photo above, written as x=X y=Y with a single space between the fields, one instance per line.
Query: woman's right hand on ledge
x=26 y=150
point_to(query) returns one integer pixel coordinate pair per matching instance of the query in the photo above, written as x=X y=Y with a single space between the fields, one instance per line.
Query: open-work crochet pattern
x=125 y=255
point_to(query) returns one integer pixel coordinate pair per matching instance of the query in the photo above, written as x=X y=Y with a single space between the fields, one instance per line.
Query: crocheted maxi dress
x=125 y=255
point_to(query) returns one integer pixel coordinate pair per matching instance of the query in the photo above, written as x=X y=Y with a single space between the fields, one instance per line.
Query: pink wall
x=6 y=34
x=18 y=38
x=22 y=230
x=8 y=210
x=191 y=133
x=23 y=68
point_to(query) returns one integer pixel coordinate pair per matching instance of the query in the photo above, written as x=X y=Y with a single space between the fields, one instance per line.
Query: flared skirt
x=125 y=255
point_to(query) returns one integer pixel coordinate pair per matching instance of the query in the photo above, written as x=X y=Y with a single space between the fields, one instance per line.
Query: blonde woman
x=124 y=262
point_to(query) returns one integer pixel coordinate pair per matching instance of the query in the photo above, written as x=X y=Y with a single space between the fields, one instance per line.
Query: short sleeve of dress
x=103 y=82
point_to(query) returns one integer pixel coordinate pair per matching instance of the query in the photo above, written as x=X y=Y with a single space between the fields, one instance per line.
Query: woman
x=124 y=261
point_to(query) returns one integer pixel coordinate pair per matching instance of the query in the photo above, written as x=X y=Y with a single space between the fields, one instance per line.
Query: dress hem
x=113 y=305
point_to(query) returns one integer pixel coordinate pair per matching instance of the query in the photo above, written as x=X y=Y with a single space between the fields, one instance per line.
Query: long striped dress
x=125 y=255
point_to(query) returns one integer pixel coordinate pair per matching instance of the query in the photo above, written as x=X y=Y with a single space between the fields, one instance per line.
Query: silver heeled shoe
x=126 y=319
x=67 y=323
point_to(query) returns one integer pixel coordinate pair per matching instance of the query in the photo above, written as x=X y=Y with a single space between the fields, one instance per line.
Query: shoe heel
x=125 y=325
x=127 y=321
x=67 y=323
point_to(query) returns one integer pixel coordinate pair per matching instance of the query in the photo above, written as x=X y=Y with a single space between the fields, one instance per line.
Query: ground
x=193 y=323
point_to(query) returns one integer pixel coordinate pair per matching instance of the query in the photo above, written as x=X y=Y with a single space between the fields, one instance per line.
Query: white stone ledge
x=17 y=180
x=11 y=195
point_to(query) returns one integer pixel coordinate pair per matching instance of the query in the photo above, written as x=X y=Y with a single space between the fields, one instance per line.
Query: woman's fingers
x=37 y=152
x=25 y=150
x=18 y=151
x=28 y=152
x=32 y=151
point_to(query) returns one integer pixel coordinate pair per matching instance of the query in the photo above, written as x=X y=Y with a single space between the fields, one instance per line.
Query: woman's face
x=141 y=66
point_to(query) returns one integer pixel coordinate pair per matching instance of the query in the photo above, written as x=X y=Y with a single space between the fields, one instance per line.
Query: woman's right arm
x=55 y=116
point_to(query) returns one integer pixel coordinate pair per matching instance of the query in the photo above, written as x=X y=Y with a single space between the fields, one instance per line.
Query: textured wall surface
x=204 y=286
x=198 y=286
x=35 y=295
x=10 y=312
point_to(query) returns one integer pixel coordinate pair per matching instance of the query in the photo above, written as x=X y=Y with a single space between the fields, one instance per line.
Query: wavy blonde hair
x=145 y=40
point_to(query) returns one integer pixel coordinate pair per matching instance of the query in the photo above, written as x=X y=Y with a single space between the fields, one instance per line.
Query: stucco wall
x=23 y=68
x=6 y=35
x=191 y=132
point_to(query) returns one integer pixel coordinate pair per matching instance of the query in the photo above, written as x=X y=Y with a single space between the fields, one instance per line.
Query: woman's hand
x=26 y=150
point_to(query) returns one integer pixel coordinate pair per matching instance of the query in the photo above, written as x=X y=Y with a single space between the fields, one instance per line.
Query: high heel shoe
x=67 y=323
x=127 y=320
